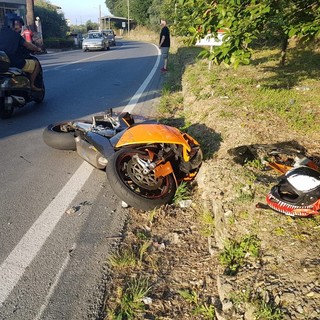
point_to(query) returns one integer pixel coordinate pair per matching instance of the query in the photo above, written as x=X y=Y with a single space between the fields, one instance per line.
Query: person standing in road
x=164 y=44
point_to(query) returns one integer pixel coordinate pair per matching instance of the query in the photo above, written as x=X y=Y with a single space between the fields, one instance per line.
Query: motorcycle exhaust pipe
x=90 y=154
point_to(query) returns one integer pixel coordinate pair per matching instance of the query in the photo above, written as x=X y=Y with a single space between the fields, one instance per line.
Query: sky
x=80 y=11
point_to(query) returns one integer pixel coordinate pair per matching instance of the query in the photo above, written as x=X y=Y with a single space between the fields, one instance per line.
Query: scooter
x=145 y=162
x=15 y=89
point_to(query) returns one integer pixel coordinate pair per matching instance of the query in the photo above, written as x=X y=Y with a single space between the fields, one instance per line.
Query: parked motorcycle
x=15 y=89
x=144 y=162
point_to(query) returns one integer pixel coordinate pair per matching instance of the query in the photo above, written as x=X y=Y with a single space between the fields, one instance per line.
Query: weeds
x=183 y=193
x=207 y=224
x=263 y=310
x=124 y=259
x=266 y=311
x=256 y=163
x=240 y=297
x=200 y=308
x=235 y=253
x=245 y=193
x=130 y=300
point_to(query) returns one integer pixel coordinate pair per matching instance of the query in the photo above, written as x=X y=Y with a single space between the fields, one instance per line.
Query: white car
x=95 y=41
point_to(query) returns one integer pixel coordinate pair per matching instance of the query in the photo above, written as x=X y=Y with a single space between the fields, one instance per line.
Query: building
x=120 y=23
x=15 y=6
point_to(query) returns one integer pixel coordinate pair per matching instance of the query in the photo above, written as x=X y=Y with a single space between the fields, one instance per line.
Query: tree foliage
x=246 y=21
x=53 y=23
x=143 y=12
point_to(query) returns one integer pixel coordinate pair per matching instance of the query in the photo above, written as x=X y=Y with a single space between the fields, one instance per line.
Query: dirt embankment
x=183 y=261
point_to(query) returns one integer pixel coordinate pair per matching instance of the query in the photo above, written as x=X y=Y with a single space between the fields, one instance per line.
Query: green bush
x=59 y=43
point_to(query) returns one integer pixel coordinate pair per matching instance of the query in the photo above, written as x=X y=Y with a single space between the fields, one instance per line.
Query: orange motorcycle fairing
x=156 y=133
x=163 y=170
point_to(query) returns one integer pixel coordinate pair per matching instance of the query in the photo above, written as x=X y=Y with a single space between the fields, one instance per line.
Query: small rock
x=72 y=210
x=147 y=301
x=185 y=203
x=300 y=309
x=310 y=294
x=124 y=204
x=227 y=306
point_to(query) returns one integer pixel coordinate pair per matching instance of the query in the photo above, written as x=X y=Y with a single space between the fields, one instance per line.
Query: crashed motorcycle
x=145 y=162
x=15 y=89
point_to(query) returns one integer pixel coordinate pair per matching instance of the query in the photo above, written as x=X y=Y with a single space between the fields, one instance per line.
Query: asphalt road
x=52 y=258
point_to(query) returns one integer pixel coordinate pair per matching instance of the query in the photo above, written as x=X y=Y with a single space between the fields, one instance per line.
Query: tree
x=30 y=14
x=118 y=7
x=91 y=25
x=139 y=11
x=143 y=12
x=53 y=23
x=245 y=21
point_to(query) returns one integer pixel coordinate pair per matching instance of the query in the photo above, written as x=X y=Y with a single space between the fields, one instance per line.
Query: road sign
x=211 y=41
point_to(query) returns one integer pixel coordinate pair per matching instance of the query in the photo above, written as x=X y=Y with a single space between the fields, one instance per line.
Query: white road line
x=61 y=65
x=134 y=100
x=26 y=250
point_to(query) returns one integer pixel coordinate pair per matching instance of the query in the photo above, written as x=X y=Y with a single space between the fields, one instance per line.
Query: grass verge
x=169 y=247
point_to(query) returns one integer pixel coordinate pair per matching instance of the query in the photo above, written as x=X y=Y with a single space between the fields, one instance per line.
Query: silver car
x=95 y=41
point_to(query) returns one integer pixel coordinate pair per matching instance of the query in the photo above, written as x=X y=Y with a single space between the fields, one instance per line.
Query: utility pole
x=30 y=15
x=128 y=17
x=100 y=22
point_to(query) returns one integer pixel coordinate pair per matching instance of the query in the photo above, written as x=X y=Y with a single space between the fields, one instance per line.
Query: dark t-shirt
x=11 y=43
x=166 y=33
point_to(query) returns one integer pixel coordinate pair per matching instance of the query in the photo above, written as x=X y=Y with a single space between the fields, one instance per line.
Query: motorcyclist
x=13 y=44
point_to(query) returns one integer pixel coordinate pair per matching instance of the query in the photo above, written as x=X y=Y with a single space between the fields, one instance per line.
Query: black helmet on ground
x=297 y=193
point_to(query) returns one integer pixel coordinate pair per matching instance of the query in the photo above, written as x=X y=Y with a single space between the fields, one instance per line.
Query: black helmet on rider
x=10 y=18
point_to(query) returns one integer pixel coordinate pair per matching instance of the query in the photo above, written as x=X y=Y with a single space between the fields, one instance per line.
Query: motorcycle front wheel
x=5 y=113
x=61 y=135
x=38 y=97
x=137 y=188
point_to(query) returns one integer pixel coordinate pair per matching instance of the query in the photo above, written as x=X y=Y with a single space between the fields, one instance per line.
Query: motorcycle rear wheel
x=141 y=191
x=39 y=96
x=60 y=135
